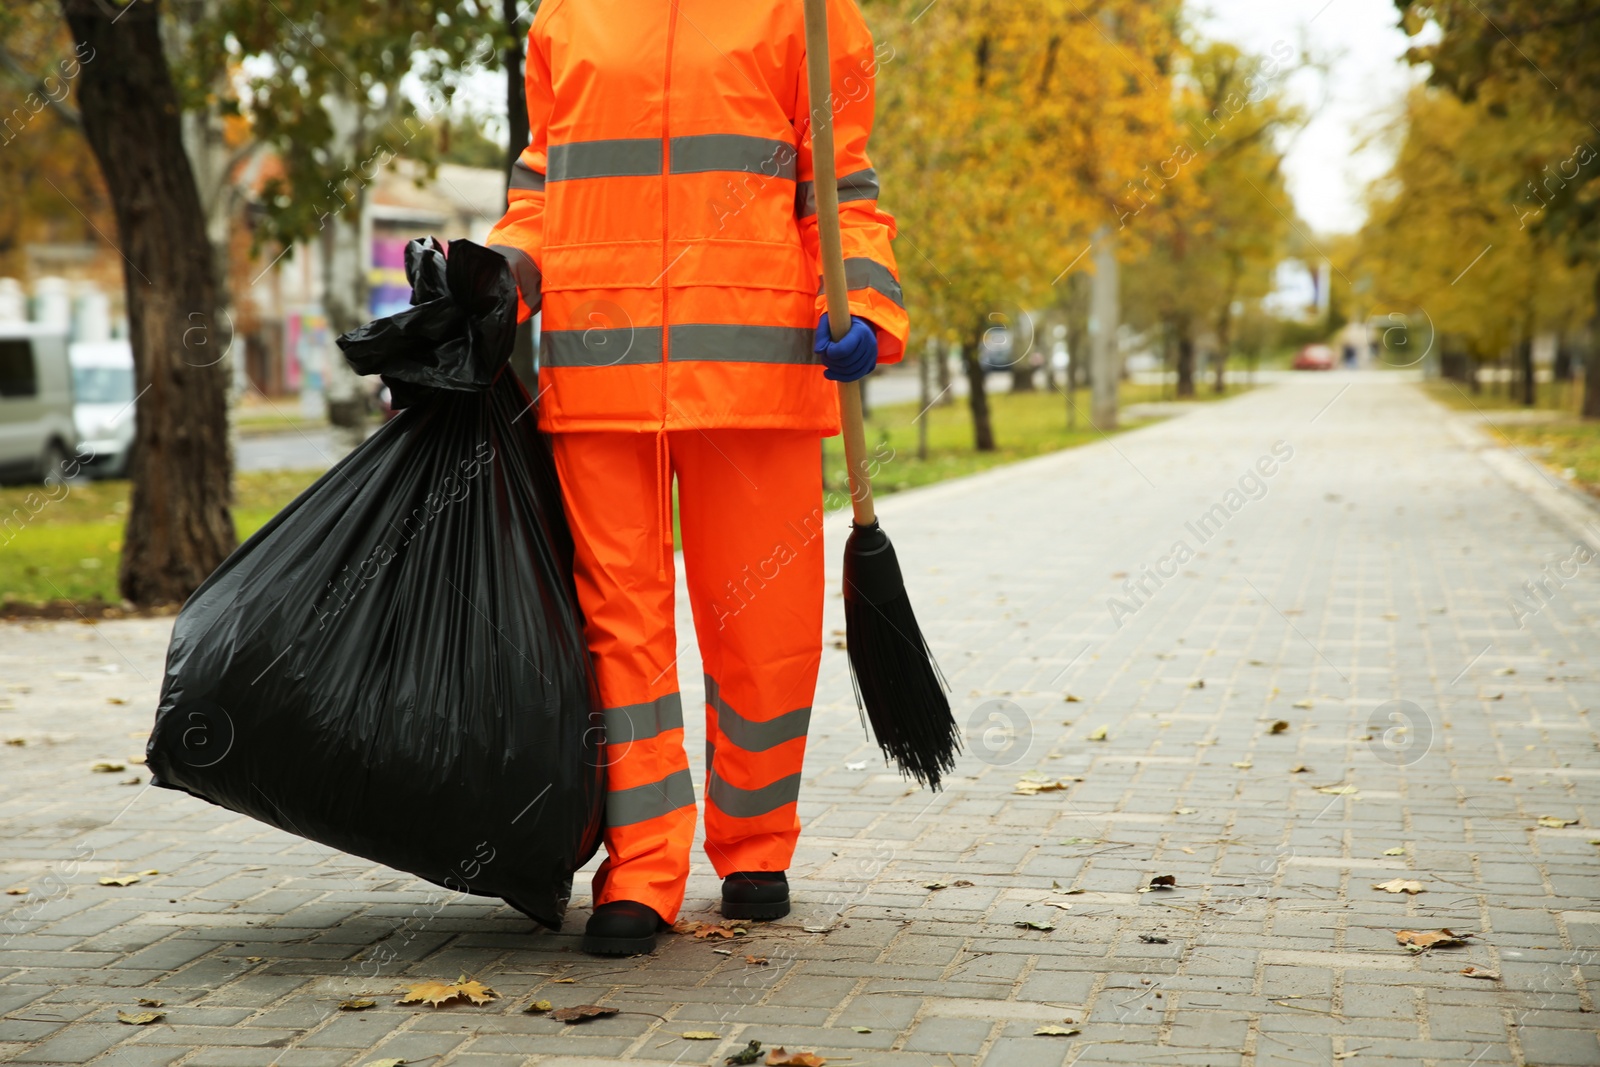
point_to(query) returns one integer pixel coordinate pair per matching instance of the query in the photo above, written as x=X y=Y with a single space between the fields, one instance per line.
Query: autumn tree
x=1545 y=53
x=319 y=82
x=1214 y=211
x=1003 y=130
x=1452 y=246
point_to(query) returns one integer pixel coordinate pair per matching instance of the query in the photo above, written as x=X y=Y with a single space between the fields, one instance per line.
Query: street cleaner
x=664 y=217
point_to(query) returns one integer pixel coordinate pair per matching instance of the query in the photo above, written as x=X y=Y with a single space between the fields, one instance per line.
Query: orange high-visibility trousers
x=750 y=511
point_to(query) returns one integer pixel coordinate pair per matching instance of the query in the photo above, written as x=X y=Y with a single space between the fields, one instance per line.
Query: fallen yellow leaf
x=1400 y=885
x=438 y=993
x=1426 y=939
x=140 y=1018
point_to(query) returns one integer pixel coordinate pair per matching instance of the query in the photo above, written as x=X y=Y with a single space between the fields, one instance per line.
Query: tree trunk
x=179 y=527
x=1591 y=362
x=977 y=398
x=1185 y=360
x=943 y=367
x=1529 y=389
x=522 y=362
x=1219 y=384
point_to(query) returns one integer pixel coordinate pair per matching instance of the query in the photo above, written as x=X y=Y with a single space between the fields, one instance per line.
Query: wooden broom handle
x=818 y=69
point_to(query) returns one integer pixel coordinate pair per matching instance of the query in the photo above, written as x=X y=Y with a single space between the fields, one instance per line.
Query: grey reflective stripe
x=862 y=185
x=748 y=803
x=623 y=158
x=733 y=151
x=750 y=735
x=624 y=807
x=715 y=342
x=640 y=722
x=863 y=273
x=525 y=177
x=526 y=273
x=735 y=343
x=597 y=347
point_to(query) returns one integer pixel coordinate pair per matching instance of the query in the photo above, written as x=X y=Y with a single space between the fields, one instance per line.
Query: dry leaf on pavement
x=1303 y=703
x=1184 y=811
x=935 y=885
x=1161 y=881
x=383 y=1063
x=700 y=1035
x=124 y=880
x=357 y=1005
x=749 y=1054
x=105 y=767
x=583 y=1011
x=1299 y=768
x=1394 y=852
x=1052 y=1030
x=1034 y=784
x=1032 y=924
x=150 y=1002
x=1279 y=727
x=756 y=961
x=140 y=1018
x=1480 y=972
x=705 y=930
x=17 y=891
x=1099 y=734
x=1070 y=699
x=795 y=1059
x=1399 y=885
x=1555 y=822
x=1421 y=940
x=538 y=1007
x=439 y=993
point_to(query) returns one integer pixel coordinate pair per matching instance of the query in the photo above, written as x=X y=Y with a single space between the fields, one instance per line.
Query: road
x=1277 y=650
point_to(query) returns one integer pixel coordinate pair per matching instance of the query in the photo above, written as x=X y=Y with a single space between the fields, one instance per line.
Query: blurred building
x=280 y=337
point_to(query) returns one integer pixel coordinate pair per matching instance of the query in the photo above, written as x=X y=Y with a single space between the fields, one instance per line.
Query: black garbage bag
x=395 y=665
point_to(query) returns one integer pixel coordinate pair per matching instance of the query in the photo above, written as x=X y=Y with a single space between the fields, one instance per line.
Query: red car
x=1314 y=357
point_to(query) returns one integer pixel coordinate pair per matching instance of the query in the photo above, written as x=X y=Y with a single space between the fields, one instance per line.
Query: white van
x=37 y=434
x=102 y=405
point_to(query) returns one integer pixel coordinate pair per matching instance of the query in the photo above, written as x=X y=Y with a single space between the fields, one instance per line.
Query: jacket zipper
x=666 y=170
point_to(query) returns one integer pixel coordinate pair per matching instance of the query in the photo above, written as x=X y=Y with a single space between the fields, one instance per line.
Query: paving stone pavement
x=1356 y=580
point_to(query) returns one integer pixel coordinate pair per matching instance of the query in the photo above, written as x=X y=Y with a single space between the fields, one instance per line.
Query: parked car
x=37 y=435
x=1314 y=357
x=102 y=405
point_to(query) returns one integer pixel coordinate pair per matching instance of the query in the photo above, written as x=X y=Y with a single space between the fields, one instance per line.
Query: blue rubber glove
x=851 y=357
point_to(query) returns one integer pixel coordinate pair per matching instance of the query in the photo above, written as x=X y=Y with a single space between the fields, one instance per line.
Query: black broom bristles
x=896 y=679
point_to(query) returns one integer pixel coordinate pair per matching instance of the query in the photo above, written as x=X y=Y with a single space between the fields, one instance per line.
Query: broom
x=895 y=678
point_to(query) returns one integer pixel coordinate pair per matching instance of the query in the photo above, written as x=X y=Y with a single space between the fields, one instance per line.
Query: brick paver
x=1358 y=587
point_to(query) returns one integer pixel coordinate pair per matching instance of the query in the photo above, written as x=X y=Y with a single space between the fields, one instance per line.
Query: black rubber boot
x=755 y=895
x=621 y=928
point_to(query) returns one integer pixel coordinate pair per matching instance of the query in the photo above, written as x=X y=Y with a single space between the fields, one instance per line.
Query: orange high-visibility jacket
x=664 y=211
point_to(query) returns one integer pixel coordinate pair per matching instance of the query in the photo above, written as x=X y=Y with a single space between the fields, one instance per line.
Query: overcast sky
x=1331 y=162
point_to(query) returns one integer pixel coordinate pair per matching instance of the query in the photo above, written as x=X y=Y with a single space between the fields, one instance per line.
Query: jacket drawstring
x=663 y=502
